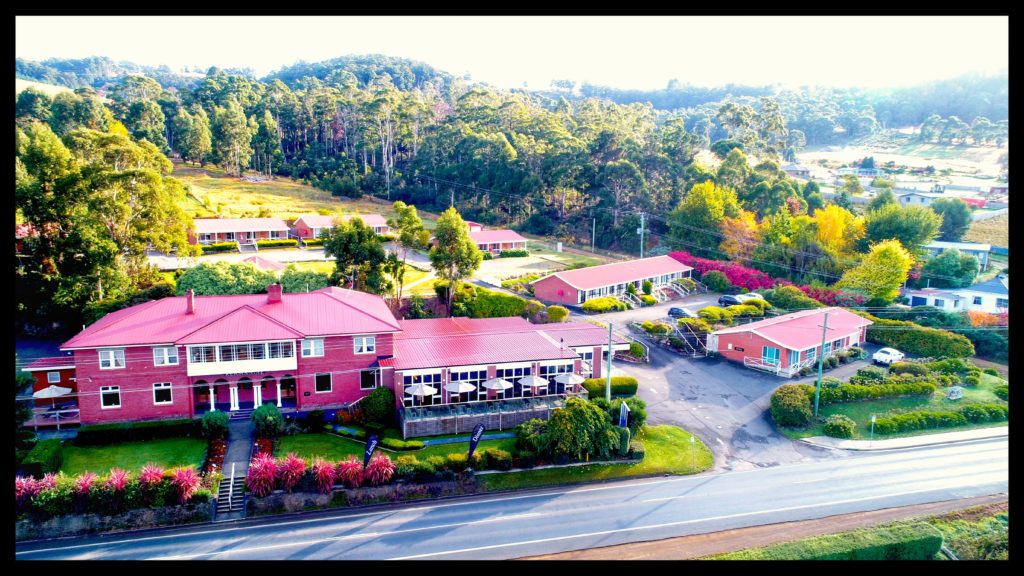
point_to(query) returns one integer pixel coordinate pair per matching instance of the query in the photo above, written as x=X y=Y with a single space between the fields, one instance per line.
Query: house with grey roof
x=991 y=296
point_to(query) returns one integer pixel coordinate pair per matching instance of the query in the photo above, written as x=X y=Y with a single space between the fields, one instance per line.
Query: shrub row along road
x=547 y=521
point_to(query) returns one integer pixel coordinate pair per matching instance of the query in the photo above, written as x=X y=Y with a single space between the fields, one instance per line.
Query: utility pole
x=593 y=236
x=451 y=203
x=821 y=359
x=608 y=382
x=640 y=231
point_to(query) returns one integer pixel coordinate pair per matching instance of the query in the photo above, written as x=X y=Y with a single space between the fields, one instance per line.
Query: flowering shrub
x=84 y=483
x=835 y=297
x=24 y=488
x=151 y=475
x=262 y=471
x=380 y=470
x=350 y=472
x=185 y=481
x=290 y=470
x=117 y=480
x=979 y=318
x=323 y=471
x=741 y=276
x=49 y=481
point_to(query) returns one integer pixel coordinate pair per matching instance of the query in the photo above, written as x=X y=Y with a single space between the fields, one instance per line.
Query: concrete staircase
x=243 y=414
x=231 y=495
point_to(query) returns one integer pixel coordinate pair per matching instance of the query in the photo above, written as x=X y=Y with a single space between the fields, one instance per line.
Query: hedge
x=871 y=373
x=313 y=242
x=840 y=426
x=487 y=256
x=45 y=456
x=292 y=242
x=695 y=324
x=715 y=281
x=745 y=310
x=855 y=393
x=621 y=386
x=215 y=424
x=790 y=406
x=218 y=247
x=908 y=368
x=518 y=253
x=917 y=339
x=637 y=450
x=924 y=420
x=98 y=434
x=715 y=315
x=1002 y=392
x=648 y=300
x=557 y=313
x=918 y=541
x=603 y=304
x=399 y=444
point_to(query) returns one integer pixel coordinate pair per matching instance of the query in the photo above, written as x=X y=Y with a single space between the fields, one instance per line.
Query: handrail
x=231 y=486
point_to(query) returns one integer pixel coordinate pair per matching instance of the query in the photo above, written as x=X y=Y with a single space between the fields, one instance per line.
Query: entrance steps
x=231 y=495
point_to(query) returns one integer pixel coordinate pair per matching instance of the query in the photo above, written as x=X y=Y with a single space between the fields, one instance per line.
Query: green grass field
x=313 y=266
x=331 y=447
x=132 y=456
x=50 y=90
x=667 y=452
x=861 y=412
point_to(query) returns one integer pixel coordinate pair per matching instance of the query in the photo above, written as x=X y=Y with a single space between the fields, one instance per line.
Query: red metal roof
x=319 y=221
x=50 y=363
x=263 y=263
x=581 y=334
x=802 y=330
x=221 y=225
x=619 y=272
x=328 y=311
x=440 y=327
x=495 y=236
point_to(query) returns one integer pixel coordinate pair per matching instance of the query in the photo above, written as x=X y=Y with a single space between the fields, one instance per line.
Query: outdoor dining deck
x=493 y=414
x=48 y=416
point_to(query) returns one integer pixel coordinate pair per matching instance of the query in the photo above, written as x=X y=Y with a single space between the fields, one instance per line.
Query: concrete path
x=909 y=442
x=240 y=435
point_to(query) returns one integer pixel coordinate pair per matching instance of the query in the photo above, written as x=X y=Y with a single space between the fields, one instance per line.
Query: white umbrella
x=497 y=384
x=570 y=379
x=459 y=387
x=533 y=381
x=421 y=389
x=52 y=391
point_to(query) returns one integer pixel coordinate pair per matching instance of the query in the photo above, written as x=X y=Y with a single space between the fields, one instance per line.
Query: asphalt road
x=500 y=526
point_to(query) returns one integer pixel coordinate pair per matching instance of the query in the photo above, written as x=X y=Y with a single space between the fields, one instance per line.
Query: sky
x=623 y=52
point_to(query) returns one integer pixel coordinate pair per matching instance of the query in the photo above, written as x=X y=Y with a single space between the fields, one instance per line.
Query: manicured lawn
x=132 y=456
x=414 y=274
x=313 y=266
x=332 y=447
x=667 y=452
x=861 y=412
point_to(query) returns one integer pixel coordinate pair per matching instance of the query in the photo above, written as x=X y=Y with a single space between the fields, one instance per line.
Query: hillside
x=994 y=231
x=48 y=89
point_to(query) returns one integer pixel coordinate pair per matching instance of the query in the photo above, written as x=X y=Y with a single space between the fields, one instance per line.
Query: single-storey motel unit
x=179 y=357
x=496 y=241
x=787 y=343
x=979 y=251
x=241 y=230
x=309 y=226
x=578 y=286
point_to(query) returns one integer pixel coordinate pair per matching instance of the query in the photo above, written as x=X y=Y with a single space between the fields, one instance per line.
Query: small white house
x=917 y=198
x=991 y=296
x=940 y=299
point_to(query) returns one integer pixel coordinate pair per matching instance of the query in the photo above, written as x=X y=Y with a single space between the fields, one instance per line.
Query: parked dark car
x=681 y=313
x=728 y=300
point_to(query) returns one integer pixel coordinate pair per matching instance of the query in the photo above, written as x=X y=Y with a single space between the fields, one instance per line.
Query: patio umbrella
x=459 y=387
x=52 y=391
x=533 y=381
x=570 y=379
x=497 y=384
x=421 y=389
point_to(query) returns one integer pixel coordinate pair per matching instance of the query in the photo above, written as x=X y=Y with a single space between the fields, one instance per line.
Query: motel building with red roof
x=241 y=230
x=309 y=226
x=575 y=287
x=180 y=357
x=786 y=344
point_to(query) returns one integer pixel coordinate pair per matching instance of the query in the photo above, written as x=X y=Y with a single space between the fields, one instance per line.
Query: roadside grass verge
x=331 y=447
x=132 y=456
x=980 y=533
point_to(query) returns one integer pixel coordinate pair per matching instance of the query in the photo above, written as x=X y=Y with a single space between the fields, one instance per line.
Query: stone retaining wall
x=78 y=524
x=280 y=501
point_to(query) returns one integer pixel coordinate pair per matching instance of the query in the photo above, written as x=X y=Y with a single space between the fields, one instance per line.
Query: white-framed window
x=367 y=379
x=162 y=393
x=205 y=238
x=110 y=396
x=474 y=377
x=274 y=235
x=111 y=359
x=316 y=232
x=166 y=356
x=229 y=236
x=513 y=375
x=977 y=300
x=281 y=350
x=323 y=382
x=202 y=354
x=432 y=380
x=956 y=303
x=312 y=347
x=939 y=303
x=52 y=377
x=1002 y=302
x=364 y=344
x=812 y=353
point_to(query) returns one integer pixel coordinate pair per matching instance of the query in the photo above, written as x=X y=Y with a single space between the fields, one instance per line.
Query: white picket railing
x=761 y=364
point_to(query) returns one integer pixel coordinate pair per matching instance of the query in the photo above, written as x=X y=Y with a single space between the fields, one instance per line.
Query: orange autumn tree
x=838 y=229
x=740 y=236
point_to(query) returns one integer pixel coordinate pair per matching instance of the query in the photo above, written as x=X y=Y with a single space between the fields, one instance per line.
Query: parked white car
x=887 y=356
x=749 y=296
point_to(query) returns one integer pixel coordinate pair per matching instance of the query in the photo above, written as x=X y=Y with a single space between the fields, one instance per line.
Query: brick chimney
x=190 y=302
x=274 y=293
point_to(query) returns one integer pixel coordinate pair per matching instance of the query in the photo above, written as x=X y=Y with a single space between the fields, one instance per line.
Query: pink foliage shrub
x=185 y=481
x=117 y=480
x=84 y=483
x=262 y=471
x=49 y=481
x=350 y=472
x=151 y=476
x=290 y=470
x=380 y=470
x=835 y=297
x=323 y=471
x=25 y=488
x=741 y=276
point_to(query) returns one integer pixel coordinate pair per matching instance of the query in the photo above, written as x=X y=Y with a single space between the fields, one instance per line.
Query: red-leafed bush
x=749 y=278
x=84 y=483
x=290 y=470
x=25 y=488
x=323 y=471
x=380 y=470
x=350 y=472
x=117 y=480
x=151 y=476
x=185 y=481
x=49 y=481
x=261 y=475
x=835 y=297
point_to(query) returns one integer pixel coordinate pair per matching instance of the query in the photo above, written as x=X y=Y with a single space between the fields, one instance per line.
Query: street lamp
x=693 y=458
x=872 y=428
